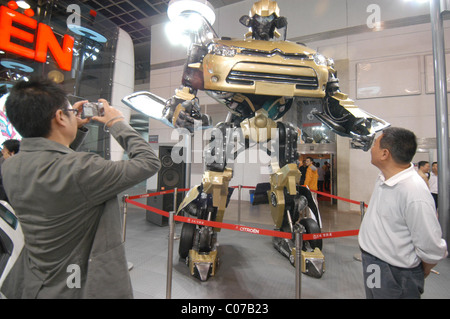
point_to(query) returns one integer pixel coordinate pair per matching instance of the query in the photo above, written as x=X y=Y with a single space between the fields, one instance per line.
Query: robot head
x=264 y=19
x=265 y=8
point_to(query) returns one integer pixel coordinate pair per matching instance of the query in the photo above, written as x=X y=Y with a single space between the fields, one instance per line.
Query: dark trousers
x=384 y=281
x=435 y=197
x=320 y=186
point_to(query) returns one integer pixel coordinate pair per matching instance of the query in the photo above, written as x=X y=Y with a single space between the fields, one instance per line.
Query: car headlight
x=222 y=50
x=330 y=63
x=319 y=59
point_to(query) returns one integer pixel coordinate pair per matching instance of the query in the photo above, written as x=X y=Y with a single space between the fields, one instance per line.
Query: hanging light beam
x=202 y=7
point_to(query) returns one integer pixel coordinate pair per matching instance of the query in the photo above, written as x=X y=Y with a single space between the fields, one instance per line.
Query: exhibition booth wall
x=383 y=55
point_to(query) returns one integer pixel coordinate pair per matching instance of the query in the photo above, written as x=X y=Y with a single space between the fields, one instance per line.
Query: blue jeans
x=384 y=281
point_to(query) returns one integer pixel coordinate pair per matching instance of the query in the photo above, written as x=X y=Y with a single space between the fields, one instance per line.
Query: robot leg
x=293 y=206
x=198 y=243
x=208 y=202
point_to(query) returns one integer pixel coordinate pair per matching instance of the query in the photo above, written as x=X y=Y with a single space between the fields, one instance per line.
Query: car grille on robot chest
x=249 y=78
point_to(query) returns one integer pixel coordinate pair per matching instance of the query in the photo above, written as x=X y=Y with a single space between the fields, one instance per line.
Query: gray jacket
x=67 y=205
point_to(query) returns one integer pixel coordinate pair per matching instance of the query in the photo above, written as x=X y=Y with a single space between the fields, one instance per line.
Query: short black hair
x=12 y=145
x=422 y=163
x=31 y=105
x=400 y=142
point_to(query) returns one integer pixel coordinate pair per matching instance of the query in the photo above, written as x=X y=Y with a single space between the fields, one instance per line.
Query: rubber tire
x=186 y=239
x=312 y=228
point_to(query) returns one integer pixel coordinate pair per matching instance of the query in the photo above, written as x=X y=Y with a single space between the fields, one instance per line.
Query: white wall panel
x=429 y=73
x=310 y=17
x=388 y=77
x=124 y=72
x=227 y=20
x=159 y=80
x=389 y=10
x=123 y=82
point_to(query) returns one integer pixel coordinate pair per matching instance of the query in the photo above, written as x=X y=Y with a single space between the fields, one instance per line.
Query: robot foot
x=313 y=262
x=285 y=247
x=202 y=265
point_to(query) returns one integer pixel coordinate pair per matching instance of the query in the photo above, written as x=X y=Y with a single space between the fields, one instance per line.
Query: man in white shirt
x=423 y=170
x=433 y=182
x=400 y=236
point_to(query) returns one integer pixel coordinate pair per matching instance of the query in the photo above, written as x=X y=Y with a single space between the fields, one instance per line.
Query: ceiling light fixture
x=203 y=7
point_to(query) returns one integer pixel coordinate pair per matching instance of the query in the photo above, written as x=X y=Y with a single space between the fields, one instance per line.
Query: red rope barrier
x=340 y=198
x=247 y=229
x=197 y=221
x=331 y=235
x=170 y=191
x=248 y=187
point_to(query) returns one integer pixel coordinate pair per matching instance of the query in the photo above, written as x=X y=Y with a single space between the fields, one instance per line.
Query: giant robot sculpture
x=257 y=79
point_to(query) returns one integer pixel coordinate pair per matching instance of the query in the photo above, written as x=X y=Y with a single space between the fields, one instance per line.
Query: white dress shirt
x=401 y=226
x=433 y=182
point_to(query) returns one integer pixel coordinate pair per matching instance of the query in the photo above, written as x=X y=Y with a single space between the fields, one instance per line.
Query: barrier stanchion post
x=239 y=204
x=175 y=207
x=298 y=233
x=362 y=207
x=170 y=256
x=175 y=194
x=124 y=226
x=125 y=211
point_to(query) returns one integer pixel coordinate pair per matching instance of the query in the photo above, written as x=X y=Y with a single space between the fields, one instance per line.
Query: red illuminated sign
x=44 y=40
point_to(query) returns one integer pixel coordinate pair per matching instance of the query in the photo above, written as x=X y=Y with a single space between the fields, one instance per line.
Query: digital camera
x=91 y=109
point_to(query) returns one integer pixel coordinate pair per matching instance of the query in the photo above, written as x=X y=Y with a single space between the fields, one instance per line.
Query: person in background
x=400 y=236
x=321 y=177
x=10 y=148
x=66 y=201
x=327 y=176
x=302 y=168
x=423 y=170
x=433 y=182
x=311 y=176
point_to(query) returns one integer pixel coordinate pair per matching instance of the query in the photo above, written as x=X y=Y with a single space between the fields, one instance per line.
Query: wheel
x=312 y=228
x=186 y=239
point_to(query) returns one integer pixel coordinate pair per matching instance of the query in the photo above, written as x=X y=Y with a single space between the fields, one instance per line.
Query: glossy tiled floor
x=250 y=268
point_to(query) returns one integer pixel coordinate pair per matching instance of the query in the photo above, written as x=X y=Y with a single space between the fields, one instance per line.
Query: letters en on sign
x=44 y=40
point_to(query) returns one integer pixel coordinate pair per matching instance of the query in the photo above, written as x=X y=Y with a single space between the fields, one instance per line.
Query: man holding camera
x=66 y=201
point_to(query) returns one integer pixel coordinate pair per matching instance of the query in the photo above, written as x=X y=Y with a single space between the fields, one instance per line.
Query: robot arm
x=346 y=119
x=182 y=110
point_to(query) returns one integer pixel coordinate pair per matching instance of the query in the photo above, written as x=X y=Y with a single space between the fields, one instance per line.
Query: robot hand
x=186 y=114
x=346 y=119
